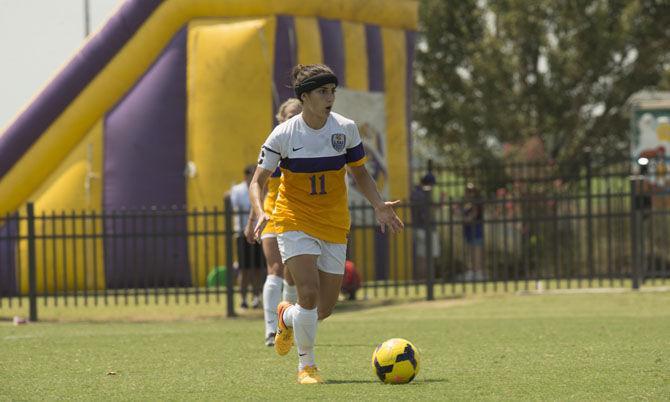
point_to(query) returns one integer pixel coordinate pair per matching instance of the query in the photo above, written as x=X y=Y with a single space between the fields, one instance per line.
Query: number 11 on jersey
x=322 y=184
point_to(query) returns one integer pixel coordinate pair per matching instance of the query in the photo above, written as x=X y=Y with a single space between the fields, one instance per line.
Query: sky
x=37 y=37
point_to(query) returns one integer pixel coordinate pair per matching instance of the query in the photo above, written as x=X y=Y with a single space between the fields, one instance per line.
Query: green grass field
x=507 y=347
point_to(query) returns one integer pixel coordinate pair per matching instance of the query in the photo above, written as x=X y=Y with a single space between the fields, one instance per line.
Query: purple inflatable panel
x=145 y=142
x=332 y=43
x=373 y=40
x=285 y=59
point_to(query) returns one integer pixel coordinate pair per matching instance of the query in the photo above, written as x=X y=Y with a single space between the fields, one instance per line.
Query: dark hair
x=428 y=179
x=644 y=169
x=249 y=169
x=301 y=72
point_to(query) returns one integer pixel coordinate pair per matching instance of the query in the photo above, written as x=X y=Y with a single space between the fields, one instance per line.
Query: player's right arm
x=271 y=154
x=256 y=186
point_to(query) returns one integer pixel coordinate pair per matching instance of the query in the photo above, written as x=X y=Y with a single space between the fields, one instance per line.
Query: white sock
x=304 y=331
x=288 y=315
x=289 y=293
x=271 y=297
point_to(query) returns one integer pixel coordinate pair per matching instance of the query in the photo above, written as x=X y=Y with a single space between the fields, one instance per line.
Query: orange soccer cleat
x=284 y=337
x=309 y=375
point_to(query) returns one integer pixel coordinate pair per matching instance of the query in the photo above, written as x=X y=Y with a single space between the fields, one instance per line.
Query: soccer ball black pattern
x=396 y=361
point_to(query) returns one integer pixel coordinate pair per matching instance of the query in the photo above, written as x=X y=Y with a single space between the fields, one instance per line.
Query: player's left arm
x=386 y=216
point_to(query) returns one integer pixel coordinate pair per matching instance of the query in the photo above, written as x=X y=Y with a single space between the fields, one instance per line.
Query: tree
x=494 y=72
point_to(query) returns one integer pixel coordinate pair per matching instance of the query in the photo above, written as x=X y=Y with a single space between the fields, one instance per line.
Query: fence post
x=635 y=231
x=428 y=228
x=32 y=261
x=589 y=216
x=230 y=279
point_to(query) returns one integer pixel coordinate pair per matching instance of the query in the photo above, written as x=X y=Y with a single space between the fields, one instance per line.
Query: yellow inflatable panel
x=308 y=38
x=74 y=187
x=229 y=103
x=229 y=113
x=85 y=189
x=395 y=80
x=356 y=58
x=401 y=14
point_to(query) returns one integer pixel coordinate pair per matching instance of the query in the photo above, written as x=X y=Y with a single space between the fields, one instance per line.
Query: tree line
x=490 y=76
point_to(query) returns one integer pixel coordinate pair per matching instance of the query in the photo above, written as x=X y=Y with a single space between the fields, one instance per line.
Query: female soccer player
x=311 y=215
x=275 y=288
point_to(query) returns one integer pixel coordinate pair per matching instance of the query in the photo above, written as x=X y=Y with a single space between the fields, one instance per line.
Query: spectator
x=248 y=255
x=420 y=199
x=473 y=233
x=644 y=188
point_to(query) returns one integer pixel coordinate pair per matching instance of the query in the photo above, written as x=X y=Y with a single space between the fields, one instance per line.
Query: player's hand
x=387 y=218
x=260 y=225
x=249 y=232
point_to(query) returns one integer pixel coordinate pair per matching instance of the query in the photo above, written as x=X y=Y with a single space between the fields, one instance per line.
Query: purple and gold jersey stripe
x=311 y=165
x=355 y=154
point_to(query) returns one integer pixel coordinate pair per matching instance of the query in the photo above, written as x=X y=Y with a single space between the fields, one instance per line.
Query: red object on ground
x=352 y=280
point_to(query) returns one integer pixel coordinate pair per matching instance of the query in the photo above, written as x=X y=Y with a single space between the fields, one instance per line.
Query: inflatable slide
x=170 y=99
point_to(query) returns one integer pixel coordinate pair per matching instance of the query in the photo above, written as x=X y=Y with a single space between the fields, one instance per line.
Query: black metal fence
x=549 y=225
x=617 y=236
x=593 y=240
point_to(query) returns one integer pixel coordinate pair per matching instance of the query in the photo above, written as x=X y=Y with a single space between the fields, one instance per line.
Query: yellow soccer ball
x=396 y=361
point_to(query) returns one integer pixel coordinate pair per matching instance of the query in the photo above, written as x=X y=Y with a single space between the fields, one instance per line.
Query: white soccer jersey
x=313 y=193
x=239 y=199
